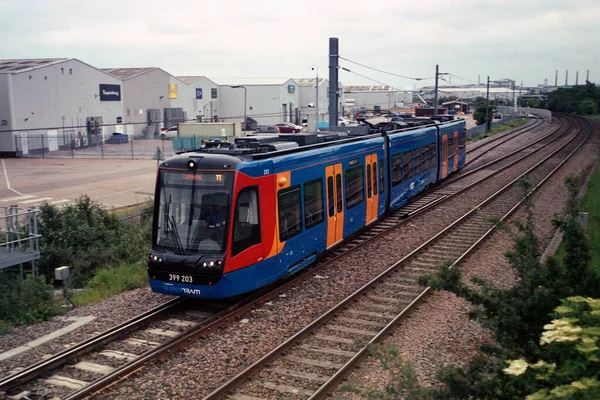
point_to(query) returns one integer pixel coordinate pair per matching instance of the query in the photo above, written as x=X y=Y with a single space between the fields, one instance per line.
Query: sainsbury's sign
x=110 y=92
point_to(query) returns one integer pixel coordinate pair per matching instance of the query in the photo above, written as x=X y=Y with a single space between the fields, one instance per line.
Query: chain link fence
x=74 y=145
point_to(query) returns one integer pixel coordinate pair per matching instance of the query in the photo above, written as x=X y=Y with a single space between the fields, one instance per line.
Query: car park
x=288 y=127
x=169 y=133
x=267 y=129
x=344 y=122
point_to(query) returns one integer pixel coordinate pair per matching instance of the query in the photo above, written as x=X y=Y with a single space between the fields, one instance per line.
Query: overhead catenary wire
x=385 y=72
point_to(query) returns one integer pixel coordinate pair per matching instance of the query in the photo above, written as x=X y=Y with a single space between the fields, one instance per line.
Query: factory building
x=266 y=100
x=380 y=97
x=47 y=103
x=205 y=97
x=154 y=99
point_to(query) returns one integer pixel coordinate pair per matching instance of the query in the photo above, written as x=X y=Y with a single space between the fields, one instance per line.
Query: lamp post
x=245 y=98
x=315 y=68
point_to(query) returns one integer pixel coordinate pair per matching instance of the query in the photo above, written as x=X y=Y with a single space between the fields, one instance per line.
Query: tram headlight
x=211 y=264
x=205 y=264
x=191 y=163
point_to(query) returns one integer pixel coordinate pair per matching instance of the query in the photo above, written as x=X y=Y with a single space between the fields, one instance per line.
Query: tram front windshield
x=193 y=213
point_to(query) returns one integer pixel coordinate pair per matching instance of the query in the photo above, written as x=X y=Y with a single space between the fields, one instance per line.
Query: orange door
x=335 y=209
x=372 y=188
x=455 y=151
x=444 y=156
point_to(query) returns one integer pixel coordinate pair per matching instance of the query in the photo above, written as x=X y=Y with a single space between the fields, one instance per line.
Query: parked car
x=267 y=129
x=344 y=122
x=288 y=127
x=169 y=133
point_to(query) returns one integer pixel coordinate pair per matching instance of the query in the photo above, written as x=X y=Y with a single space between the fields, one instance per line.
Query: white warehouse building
x=373 y=97
x=46 y=103
x=155 y=99
x=267 y=100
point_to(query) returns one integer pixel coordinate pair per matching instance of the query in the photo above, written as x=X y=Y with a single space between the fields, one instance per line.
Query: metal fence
x=18 y=237
x=72 y=145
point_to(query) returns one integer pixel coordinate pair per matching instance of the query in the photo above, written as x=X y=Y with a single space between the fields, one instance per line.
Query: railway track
x=313 y=362
x=151 y=342
x=478 y=151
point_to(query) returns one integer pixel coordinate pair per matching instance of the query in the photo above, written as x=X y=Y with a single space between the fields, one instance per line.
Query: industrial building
x=375 y=97
x=266 y=100
x=154 y=99
x=205 y=97
x=308 y=97
x=47 y=103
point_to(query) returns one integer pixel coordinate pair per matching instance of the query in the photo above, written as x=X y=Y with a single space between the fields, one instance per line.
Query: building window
x=213 y=93
x=70 y=71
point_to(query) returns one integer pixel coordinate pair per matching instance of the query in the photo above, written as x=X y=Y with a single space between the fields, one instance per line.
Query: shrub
x=86 y=237
x=26 y=301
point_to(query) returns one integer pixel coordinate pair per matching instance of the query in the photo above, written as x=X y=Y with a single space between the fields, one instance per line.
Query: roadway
x=28 y=182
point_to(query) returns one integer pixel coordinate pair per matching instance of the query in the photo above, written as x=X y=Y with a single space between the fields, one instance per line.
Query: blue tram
x=281 y=200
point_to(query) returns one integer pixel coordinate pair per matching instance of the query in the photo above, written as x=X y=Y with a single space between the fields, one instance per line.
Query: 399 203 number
x=181 y=278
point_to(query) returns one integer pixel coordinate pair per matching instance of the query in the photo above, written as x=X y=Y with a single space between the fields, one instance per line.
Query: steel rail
x=239 y=379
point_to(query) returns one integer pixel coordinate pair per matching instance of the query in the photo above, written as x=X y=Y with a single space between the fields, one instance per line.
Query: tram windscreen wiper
x=172 y=227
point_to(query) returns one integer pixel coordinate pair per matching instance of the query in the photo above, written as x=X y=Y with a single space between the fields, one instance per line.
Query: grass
x=591 y=205
x=515 y=123
x=108 y=282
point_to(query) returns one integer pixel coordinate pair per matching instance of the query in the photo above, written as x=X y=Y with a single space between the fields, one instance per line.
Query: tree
x=479 y=114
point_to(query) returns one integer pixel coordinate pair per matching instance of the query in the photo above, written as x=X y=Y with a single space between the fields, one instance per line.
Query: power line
x=468 y=80
x=384 y=72
x=366 y=77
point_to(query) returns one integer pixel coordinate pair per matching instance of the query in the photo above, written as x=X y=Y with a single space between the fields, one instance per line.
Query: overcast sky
x=524 y=40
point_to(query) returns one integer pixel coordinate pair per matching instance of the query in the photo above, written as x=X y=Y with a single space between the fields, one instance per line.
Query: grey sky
x=525 y=40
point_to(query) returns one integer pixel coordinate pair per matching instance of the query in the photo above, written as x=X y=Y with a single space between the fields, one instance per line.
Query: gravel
x=438 y=333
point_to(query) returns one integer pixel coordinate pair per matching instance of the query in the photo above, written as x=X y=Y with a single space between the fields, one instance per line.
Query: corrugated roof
x=126 y=73
x=369 y=88
x=308 y=81
x=190 y=79
x=19 y=65
x=249 y=81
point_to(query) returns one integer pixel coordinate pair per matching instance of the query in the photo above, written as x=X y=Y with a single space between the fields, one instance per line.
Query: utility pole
x=315 y=68
x=487 y=107
x=576 y=78
x=435 y=97
x=435 y=101
x=556 y=79
x=333 y=80
x=567 y=78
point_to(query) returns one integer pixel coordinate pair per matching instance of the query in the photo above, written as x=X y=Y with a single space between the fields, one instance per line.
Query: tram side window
x=381 y=177
x=375 y=177
x=396 y=169
x=330 y=199
x=432 y=156
x=246 y=221
x=407 y=165
x=461 y=141
x=417 y=161
x=450 y=147
x=313 y=203
x=424 y=158
x=290 y=219
x=355 y=186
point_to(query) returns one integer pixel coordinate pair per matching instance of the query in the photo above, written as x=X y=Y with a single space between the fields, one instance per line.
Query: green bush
x=25 y=301
x=86 y=237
